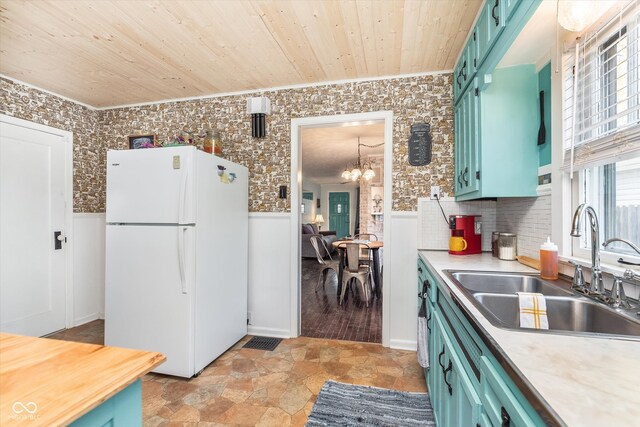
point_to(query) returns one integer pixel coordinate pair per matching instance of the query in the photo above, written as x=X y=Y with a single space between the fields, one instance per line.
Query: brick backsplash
x=529 y=218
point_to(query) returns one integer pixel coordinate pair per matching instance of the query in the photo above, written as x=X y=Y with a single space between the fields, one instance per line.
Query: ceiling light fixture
x=356 y=171
x=577 y=15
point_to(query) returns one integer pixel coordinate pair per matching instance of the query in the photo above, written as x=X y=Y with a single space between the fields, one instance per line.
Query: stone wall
x=412 y=100
x=88 y=150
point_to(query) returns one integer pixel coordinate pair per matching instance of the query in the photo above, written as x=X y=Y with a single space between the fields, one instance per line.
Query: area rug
x=341 y=404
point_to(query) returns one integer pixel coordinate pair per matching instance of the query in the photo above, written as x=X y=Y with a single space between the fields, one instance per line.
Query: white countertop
x=587 y=381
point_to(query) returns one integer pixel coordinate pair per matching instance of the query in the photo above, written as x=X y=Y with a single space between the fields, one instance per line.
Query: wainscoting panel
x=88 y=267
x=270 y=274
x=403 y=288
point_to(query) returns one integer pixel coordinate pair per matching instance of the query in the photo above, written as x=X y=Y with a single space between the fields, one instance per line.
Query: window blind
x=601 y=106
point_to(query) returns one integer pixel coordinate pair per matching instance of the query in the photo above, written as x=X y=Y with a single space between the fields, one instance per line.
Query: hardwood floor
x=323 y=317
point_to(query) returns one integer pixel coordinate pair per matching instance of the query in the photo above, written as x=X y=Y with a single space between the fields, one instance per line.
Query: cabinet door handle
x=460 y=179
x=429 y=320
x=493 y=13
x=445 y=372
x=506 y=419
x=419 y=269
x=465 y=176
x=458 y=79
x=440 y=358
x=464 y=70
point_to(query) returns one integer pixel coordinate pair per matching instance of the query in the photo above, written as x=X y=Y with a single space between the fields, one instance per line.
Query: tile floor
x=323 y=317
x=246 y=387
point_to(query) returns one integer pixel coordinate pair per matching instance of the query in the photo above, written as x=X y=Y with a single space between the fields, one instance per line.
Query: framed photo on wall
x=141 y=141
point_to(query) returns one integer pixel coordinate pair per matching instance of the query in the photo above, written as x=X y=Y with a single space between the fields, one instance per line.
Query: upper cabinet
x=495 y=111
x=489 y=26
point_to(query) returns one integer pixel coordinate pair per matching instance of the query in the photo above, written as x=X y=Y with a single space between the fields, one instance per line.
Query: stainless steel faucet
x=628 y=274
x=596 y=284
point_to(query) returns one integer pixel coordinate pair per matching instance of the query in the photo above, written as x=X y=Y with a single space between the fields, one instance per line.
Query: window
x=602 y=129
x=613 y=190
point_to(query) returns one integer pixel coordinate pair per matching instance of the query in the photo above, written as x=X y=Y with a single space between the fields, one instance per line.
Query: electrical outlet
x=435 y=191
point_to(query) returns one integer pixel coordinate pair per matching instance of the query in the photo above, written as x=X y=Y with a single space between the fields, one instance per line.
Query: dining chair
x=365 y=254
x=354 y=270
x=327 y=265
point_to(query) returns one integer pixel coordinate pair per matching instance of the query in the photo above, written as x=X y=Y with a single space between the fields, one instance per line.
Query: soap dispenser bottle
x=549 y=260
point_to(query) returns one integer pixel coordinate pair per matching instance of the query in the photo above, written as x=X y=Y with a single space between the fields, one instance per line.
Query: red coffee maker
x=466 y=234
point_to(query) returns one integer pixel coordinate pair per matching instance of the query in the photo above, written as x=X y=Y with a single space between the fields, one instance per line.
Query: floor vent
x=263 y=343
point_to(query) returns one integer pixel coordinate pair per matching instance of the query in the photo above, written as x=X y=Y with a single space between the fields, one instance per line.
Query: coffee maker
x=466 y=234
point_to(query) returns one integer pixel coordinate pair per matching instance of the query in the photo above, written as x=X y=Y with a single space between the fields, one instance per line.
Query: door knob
x=58 y=238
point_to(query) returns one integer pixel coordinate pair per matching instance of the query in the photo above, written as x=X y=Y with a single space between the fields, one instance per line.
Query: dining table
x=374 y=246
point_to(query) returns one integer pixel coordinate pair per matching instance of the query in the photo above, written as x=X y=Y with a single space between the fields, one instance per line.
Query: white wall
x=88 y=267
x=269 y=274
x=402 y=286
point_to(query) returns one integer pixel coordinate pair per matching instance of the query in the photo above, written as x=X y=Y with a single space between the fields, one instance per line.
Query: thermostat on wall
x=420 y=145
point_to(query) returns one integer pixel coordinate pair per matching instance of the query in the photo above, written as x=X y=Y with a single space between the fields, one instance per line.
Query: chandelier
x=358 y=169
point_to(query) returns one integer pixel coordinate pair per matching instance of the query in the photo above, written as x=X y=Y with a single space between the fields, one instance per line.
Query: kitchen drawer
x=499 y=402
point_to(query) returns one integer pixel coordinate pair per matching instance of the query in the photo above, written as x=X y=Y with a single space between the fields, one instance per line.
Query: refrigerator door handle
x=181 y=256
x=182 y=197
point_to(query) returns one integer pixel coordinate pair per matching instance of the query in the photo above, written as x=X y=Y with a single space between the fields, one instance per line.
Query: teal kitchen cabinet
x=466 y=121
x=510 y=7
x=461 y=405
x=495 y=137
x=467 y=386
x=489 y=26
x=124 y=409
x=465 y=69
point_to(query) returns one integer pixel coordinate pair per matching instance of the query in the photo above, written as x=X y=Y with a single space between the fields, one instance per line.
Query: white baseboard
x=87 y=319
x=268 y=332
x=403 y=344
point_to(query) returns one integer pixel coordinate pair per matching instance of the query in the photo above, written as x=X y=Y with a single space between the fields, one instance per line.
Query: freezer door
x=149 y=292
x=151 y=186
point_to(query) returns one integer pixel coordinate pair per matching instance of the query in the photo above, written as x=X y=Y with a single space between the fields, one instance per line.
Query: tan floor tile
x=294 y=398
x=299 y=419
x=410 y=384
x=298 y=353
x=186 y=413
x=243 y=414
x=274 y=417
x=278 y=388
x=215 y=409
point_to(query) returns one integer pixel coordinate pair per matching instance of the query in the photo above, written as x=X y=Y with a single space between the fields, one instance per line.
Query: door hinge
x=477 y=174
x=474 y=36
x=476 y=92
x=474 y=63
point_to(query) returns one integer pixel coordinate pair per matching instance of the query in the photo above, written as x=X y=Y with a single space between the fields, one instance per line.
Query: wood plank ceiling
x=115 y=52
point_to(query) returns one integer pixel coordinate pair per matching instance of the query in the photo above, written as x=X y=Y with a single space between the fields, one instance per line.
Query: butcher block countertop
x=64 y=379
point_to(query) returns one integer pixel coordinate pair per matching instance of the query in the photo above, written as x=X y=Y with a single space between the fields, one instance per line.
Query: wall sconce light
x=258 y=107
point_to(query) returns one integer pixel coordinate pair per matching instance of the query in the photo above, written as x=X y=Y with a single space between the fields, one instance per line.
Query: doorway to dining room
x=335 y=207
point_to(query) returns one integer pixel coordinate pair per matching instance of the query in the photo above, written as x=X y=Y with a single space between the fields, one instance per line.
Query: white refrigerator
x=176 y=255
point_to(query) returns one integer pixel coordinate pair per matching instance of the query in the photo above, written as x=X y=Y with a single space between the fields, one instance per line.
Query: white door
x=149 y=292
x=32 y=209
x=151 y=186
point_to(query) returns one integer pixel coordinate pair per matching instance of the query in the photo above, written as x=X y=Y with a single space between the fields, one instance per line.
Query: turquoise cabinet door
x=122 y=410
x=467 y=122
x=462 y=404
x=509 y=7
x=500 y=404
x=489 y=26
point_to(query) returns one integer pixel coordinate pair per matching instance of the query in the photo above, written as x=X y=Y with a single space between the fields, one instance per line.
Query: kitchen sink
x=505 y=283
x=494 y=294
x=564 y=314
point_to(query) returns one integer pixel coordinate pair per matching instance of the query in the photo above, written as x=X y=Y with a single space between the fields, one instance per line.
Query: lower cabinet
x=124 y=409
x=467 y=386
